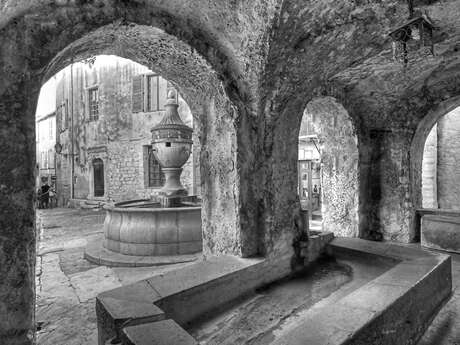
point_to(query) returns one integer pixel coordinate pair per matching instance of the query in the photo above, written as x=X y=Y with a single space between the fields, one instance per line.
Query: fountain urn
x=171 y=145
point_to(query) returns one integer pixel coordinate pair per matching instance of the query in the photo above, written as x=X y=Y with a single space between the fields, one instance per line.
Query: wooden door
x=98 y=170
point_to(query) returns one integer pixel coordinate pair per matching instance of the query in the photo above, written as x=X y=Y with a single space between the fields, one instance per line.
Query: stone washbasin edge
x=396 y=307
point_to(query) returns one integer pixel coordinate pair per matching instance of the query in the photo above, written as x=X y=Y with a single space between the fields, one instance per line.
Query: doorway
x=98 y=171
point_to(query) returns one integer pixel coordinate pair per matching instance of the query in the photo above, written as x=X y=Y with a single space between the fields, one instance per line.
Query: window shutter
x=138 y=94
x=162 y=92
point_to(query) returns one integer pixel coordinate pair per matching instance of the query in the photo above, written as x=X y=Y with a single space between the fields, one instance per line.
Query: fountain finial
x=172 y=142
x=172 y=98
x=172 y=94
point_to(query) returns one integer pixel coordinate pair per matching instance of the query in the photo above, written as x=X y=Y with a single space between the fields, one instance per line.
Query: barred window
x=156 y=178
x=93 y=98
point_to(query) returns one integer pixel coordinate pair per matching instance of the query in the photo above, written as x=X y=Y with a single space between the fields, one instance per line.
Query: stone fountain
x=169 y=226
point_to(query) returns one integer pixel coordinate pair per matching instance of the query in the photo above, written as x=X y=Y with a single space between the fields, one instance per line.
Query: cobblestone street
x=66 y=283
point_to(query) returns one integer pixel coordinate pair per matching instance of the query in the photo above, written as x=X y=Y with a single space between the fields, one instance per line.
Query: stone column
x=386 y=207
x=17 y=221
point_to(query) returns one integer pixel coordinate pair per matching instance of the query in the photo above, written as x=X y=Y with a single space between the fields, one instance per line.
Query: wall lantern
x=414 y=34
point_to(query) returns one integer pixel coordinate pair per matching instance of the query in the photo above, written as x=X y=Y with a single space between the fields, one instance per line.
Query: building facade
x=440 y=167
x=45 y=141
x=105 y=109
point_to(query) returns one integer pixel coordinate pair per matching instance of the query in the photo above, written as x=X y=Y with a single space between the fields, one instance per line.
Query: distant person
x=315 y=189
x=39 y=198
x=45 y=196
x=53 y=199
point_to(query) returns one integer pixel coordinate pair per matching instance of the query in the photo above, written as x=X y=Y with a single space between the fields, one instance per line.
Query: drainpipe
x=72 y=166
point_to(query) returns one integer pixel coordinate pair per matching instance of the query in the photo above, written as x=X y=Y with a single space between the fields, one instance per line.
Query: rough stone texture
x=247 y=69
x=339 y=165
x=441 y=231
x=448 y=161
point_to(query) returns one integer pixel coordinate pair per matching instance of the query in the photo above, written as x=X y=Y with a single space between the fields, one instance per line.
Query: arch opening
x=202 y=87
x=434 y=177
x=328 y=168
x=440 y=171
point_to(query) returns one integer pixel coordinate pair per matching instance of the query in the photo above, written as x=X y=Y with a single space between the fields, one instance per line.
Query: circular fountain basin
x=144 y=228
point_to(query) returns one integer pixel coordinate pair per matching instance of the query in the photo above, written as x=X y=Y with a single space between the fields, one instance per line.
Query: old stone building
x=248 y=70
x=46 y=139
x=441 y=168
x=105 y=110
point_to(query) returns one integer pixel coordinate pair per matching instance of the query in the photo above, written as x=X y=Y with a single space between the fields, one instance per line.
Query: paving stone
x=89 y=284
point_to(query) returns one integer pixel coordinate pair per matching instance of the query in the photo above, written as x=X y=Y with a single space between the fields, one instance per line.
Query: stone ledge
x=394 y=308
x=97 y=254
x=312 y=249
x=441 y=231
x=184 y=294
x=165 y=332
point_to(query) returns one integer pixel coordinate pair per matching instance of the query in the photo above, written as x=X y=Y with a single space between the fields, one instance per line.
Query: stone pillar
x=221 y=184
x=386 y=207
x=17 y=221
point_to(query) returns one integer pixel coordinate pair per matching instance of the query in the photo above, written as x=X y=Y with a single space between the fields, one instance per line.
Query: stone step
x=165 y=332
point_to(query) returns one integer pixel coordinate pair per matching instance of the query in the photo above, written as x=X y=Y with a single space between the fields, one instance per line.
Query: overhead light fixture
x=416 y=33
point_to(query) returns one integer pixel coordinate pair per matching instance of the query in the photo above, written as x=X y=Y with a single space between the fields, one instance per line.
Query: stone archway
x=418 y=144
x=338 y=145
x=27 y=60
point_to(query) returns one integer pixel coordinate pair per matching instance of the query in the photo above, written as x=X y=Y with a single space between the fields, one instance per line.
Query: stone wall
x=448 y=166
x=339 y=164
x=429 y=163
x=119 y=136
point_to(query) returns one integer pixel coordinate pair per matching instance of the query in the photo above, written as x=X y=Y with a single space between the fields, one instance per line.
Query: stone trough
x=146 y=229
x=142 y=233
x=440 y=229
x=394 y=307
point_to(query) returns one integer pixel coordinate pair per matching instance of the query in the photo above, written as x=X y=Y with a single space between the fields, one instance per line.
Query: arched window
x=98 y=173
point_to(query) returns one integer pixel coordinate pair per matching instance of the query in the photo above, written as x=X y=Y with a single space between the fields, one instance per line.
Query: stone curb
x=394 y=308
x=97 y=254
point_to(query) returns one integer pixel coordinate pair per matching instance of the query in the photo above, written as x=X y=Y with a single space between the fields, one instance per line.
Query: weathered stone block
x=441 y=232
x=165 y=332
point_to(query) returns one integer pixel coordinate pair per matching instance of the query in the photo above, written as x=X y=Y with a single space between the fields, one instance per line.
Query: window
x=93 y=102
x=156 y=178
x=150 y=92
x=157 y=92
